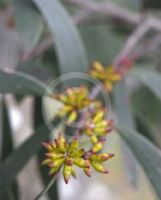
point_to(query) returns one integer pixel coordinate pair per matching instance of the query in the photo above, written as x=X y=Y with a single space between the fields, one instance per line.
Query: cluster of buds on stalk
x=108 y=76
x=68 y=154
x=74 y=100
x=62 y=153
x=97 y=126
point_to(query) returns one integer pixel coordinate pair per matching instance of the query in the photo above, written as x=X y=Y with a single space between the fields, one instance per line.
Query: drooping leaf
x=21 y=83
x=28 y=23
x=149 y=78
x=123 y=106
x=144 y=126
x=147 y=114
x=70 y=51
x=38 y=120
x=17 y=160
x=147 y=154
x=7 y=148
x=40 y=68
x=7 y=145
x=124 y=114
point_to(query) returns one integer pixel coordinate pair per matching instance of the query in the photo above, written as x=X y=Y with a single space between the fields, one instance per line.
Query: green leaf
x=28 y=22
x=147 y=154
x=144 y=126
x=123 y=106
x=149 y=78
x=21 y=83
x=38 y=119
x=124 y=114
x=7 y=145
x=18 y=159
x=7 y=148
x=70 y=51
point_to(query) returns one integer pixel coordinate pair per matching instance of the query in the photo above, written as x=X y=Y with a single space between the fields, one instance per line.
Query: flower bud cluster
x=77 y=103
x=61 y=153
x=108 y=76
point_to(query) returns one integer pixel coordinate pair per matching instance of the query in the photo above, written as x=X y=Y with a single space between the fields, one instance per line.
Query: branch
x=113 y=11
x=42 y=47
x=108 y=9
x=148 y=47
x=132 y=42
x=144 y=23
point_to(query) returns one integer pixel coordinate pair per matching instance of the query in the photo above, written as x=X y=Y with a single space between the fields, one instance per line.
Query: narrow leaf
x=17 y=160
x=147 y=154
x=28 y=22
x=44 y=171
x=122 y=105
x=149 y=78
x=7 y=148
x=21 y=83
x=125 y=117
x=68 y=44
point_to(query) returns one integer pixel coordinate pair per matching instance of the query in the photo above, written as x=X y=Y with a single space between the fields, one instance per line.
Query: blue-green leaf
x=149 y=78
x=147 y=154
x=125 y=117
x=21 y=83
x=17 y=160
x=68 y=44
x=28 y=22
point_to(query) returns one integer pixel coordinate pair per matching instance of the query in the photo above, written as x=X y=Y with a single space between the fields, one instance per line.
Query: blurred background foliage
x=43 y=39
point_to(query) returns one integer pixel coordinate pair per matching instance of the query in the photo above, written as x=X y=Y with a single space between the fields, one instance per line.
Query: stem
x=46 y=189
x=95 y=91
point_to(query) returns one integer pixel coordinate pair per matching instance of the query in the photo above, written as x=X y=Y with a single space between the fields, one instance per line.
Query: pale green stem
x=46 y=189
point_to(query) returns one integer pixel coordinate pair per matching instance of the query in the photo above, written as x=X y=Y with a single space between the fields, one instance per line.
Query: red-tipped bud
x=87 y=171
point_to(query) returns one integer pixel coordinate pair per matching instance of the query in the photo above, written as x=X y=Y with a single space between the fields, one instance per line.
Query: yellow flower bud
x=72 y=117
x=99 y=131
x=102 y=124
x=98 y=66
x=57 y=163
x=74 y=100
x=46 y=162
x=80 y=162
x=63 y=98
x=73 y=173
x=99 y=167
x=107 y=75
x=97 y=147
x=54 y=155
x=101 y=157
x=54 y=170
x=78 y=153
x=67 y=171
x=47 y=146
x=73 y=145
x=98 y=117
x=108 y=85
x=61 y=147
x=94 y=139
